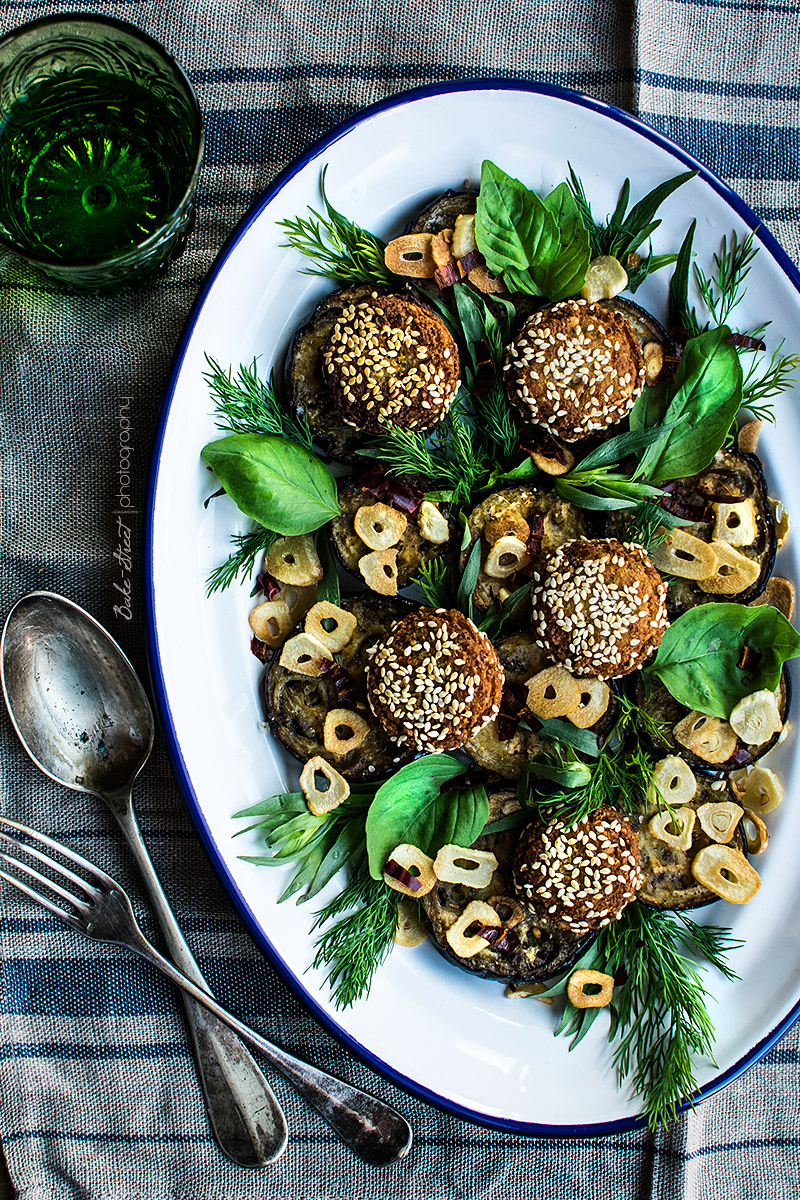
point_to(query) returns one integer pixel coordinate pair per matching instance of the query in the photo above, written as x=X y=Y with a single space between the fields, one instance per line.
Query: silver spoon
x=82 y=715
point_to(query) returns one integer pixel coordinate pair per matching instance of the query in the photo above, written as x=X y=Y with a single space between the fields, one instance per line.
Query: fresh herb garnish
x=539 y=246
x=245 y=403
x=423 y=804
x=281 y=485
x=701 y=405
x=619 y=779
x=249 y=547
x=353 y=948
x=336 y=247
x=659 y=1016
x=592 y=484
x=450 y=457
x=700 y=656
x=435 y=583
x=624 y=232
x=318 y=846
x=759 y=389
x=481 y=332
x=724 y=289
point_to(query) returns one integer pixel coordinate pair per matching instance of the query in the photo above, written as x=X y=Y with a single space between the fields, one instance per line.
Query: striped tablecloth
x=98 y=1097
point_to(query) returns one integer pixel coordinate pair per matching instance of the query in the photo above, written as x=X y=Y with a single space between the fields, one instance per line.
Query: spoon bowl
x=73 y=697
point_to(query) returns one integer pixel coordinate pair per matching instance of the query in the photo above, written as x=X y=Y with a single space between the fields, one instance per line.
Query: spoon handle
x=245 y=1116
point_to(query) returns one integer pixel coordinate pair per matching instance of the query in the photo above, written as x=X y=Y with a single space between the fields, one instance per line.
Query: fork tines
x=79 y=903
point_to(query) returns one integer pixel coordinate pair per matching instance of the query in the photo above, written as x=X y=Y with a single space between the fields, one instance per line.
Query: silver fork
x=102 y=910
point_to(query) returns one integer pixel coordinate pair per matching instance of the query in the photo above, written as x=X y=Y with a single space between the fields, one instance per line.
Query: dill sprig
x=659 y=1015
x=644 y=524
x=760 y=388
x=240 y=562
x=619 y=779
x=245 y=403
x=353 y=947
x=435 y=581
x=449 y=457
x=493 y=418
x=724 y=289
x=336 y=247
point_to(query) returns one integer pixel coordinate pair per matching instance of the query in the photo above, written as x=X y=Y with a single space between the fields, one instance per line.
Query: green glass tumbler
x=101 y=140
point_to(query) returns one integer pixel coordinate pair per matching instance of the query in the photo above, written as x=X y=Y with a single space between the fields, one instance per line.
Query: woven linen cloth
x=98 y=1095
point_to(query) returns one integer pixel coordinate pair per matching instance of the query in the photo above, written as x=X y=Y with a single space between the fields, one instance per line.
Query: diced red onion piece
x=260 y=649
x=501 y=939
x=745 y=342
x=395 y=871
x=447 y=275
x=469 y=262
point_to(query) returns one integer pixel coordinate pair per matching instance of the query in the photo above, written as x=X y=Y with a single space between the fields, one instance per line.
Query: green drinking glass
x=101 y=139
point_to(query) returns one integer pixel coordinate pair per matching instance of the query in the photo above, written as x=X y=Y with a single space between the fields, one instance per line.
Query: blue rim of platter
x=159 y=689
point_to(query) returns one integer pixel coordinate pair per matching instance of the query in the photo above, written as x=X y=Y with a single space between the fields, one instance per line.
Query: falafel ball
x=600 y=608
x=574 y=368
x=578 y=876
x=435 y=680
x=391 y=362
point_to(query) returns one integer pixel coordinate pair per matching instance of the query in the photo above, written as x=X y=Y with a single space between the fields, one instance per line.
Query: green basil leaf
x=566 y=273
x=707 y=396
x=698 y=659
x=413 y=807
x=513 y=228
x=650 y=407
x=276 y=482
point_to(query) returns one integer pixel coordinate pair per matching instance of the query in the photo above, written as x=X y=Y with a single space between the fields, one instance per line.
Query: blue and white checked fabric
x=98 y=1097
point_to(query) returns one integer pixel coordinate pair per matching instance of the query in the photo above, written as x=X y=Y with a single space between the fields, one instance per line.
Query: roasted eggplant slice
x=511 y=740
x=308 y=391
x=297 y=705
x=665 y=713
x=537 y=522
x=413 y=548
x=540 y=952
x=667 y=880
x=729 y=511
x=442 y=212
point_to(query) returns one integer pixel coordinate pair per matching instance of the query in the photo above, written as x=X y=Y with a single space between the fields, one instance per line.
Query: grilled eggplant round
x=543 y=951
x=667 y=880
x=412 y=549
x=442 y=212
x=727 y=505
x=540 y=520
x=297 y=705
x=507 y=742
x=666 y=712
x=306 y=385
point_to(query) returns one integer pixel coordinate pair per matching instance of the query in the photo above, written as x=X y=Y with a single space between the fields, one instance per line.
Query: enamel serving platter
x=451 y=1039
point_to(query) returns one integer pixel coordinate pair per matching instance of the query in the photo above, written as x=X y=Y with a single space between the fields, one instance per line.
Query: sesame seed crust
x=601 y=608
x=578 y=876
x=574 y=368
x=391 y=362
x=435 y=680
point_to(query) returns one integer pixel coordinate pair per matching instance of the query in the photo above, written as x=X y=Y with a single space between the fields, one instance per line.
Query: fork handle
x=370 y=1128
x=244 y=1113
